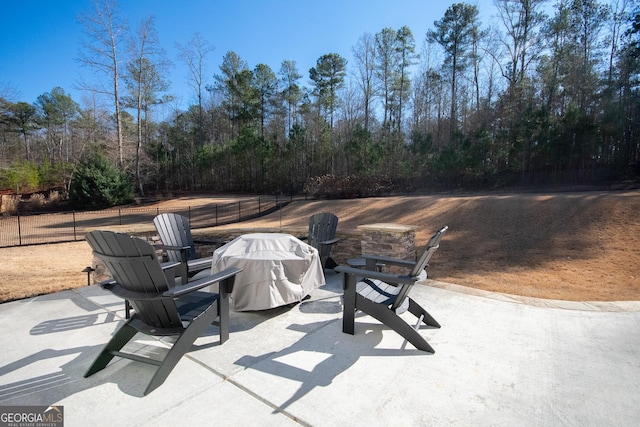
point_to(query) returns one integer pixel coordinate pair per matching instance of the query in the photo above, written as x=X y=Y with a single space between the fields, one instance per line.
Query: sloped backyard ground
x=570 y=246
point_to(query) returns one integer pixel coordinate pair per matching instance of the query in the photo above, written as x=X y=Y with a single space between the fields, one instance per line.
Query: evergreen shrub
x=98 y=184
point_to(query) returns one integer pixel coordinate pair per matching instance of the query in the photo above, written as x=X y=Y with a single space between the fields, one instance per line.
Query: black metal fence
x=38 y=228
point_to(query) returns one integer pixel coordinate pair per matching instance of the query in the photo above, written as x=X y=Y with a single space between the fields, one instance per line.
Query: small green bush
x=98 y=183
x=20 y=177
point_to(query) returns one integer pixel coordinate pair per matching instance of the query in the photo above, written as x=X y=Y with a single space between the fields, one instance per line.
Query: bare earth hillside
x=571 y=246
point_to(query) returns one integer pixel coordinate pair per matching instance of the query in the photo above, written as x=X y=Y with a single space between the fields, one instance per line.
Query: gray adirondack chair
x=385 y=295
x=174 y=231
x=183 y=311
x=322 y=235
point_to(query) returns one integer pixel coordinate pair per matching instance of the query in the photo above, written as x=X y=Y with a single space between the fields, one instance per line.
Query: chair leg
x=223 y=309
x=181 y=346
x=386 y=316
x=417 y=310
x=184 y=267
x=122 y=337
x=349 y=304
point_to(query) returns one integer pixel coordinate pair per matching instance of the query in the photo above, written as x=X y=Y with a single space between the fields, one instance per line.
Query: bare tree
x=363 y=54
x=104 y=30
x=618 y=15
x=521 y=20
x=144 y=81
x=193 y=54
x=9 y=92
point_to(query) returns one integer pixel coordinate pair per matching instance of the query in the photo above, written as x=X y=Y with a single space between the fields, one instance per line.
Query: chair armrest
x=182 y=249
x=106 y=284
x=330 y=241
x=385 y=277
x=201 y=283
x=184 y=267
x=170 y=264
x=169 y=269
x=388 y=260
x=172 y=248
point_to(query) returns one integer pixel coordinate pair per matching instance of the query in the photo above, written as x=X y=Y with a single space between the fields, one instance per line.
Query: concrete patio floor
x=499 y=361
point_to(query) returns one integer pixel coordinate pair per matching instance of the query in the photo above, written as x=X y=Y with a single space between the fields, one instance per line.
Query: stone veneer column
x=392 y=240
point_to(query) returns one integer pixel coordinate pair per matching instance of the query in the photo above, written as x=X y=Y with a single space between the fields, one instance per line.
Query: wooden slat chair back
x=421 y=265
x=160 y=310
x=322 y=235
x=174 y=230
x=134 y=266
x=385 y=295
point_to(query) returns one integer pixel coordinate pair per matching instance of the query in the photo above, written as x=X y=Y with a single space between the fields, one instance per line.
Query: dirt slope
x=572 y=246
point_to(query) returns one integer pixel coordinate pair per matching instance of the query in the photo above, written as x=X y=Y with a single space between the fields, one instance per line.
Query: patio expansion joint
x=276 y=408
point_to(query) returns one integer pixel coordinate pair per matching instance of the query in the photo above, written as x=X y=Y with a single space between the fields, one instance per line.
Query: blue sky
x=40 y=40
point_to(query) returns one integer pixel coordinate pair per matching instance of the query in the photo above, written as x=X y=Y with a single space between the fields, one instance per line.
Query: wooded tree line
x=546 y=94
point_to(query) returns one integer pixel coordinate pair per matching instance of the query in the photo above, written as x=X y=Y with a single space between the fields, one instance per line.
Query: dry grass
x=571 y=246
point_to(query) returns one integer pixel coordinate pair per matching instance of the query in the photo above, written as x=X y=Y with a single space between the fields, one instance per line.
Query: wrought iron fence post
x=73 y=216
x=216 y=208
x=119 y=217
x=19 y=230
x=238 y=211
